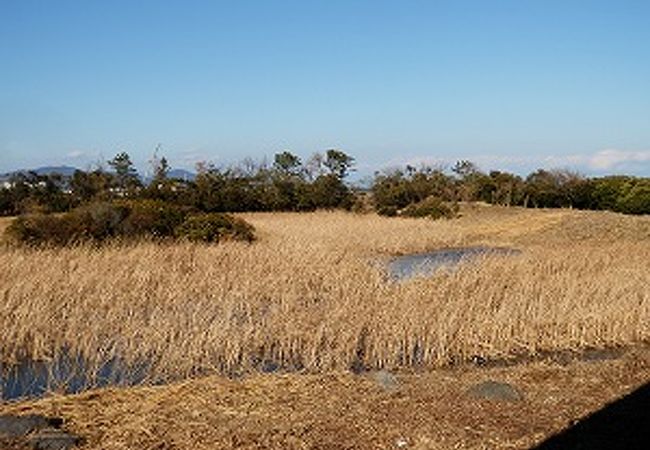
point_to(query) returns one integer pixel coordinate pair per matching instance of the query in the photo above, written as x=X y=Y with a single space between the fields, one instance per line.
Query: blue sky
x=510 y=84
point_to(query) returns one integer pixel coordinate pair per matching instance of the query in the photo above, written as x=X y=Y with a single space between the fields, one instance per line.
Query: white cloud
x=612 y=158
x=602 y=161
x=188 y=159
x=76 y=154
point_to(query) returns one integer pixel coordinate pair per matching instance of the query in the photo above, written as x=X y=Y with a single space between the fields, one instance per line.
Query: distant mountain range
x=68 y=171
x=181 y=174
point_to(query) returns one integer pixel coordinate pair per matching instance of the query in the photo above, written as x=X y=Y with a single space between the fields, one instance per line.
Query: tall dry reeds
x=312 y=294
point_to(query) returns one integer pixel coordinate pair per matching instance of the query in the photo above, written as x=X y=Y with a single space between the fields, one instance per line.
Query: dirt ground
x=417 y=410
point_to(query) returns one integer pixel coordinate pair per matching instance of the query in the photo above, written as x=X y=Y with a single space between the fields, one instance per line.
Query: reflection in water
x=407 y=266
x=65 y=374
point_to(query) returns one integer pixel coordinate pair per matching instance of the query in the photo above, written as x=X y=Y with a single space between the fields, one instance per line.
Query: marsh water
x=425 y=264
x=65 y=374
x=70 y=375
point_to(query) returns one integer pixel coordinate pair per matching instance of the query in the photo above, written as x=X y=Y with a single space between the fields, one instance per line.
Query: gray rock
x=53 y=439
x=494 y=390
x=385 y=379
x=12 y=426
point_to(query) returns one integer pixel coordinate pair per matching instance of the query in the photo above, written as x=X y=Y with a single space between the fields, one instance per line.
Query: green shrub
x=636 y=200
x=362 y=203
x=329 y=191
x=151 y=217
x=214 y=227
x=126 y=219
x=97 y=221
x=41 y=228
x=431 y=207
x=390 y=211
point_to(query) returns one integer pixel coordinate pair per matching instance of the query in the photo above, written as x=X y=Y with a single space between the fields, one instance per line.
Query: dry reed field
x=311 y=294
x=311 y=298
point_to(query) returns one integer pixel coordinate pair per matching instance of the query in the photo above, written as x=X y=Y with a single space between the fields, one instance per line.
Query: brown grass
x=4 y=223
x=428 y=410
x=311 y=294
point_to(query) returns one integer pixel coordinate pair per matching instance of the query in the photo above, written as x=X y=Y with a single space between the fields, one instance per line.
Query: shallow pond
x=408 y=266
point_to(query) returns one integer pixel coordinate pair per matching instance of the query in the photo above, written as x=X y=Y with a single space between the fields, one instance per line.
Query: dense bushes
x=634 y=197
x=214 y=227
x=286 y=185
x=43 y=228
x=289 y=184
x=95 y=222
x=393 y=192
x=101 y=221
x=277 y=188
x=432 y=208
x=30 y=192
x=151 y=217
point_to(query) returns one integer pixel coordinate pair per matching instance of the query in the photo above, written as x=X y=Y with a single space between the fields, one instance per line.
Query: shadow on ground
x=623 y=424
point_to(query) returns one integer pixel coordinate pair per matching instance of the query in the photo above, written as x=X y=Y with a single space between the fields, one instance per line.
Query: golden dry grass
x=428 y=410
x=4 y=223
x=311 y=294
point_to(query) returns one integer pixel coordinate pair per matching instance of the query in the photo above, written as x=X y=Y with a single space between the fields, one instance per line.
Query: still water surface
x=423 y=264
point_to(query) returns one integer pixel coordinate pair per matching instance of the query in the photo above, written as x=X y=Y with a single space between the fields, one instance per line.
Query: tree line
x=396 y=190
x=290 y=184
x=287 y=184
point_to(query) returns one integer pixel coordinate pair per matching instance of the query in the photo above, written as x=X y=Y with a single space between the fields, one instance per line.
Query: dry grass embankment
x=428 y=410
x=310 y=294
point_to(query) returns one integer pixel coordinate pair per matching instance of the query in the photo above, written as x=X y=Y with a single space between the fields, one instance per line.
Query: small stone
x=12 y=426
x=385 y=379
x=53 y=439
x=494 y=390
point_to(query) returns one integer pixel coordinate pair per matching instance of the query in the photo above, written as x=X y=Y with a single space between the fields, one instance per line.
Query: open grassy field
x=311 y=295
